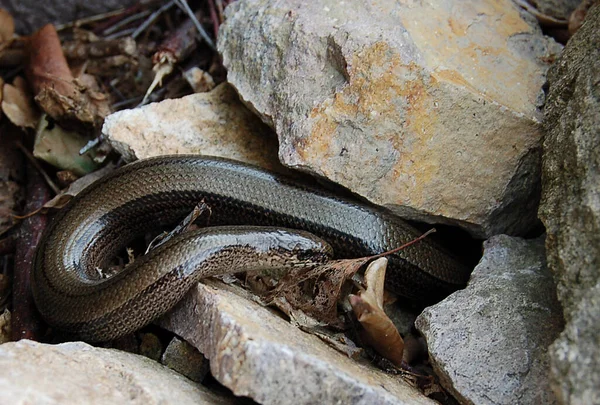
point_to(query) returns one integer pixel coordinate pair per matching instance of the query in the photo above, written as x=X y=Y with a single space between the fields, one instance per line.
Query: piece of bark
x=26 y=321
x=56 y=91
x=178 y=46
x=78 y=50
x=7 y=26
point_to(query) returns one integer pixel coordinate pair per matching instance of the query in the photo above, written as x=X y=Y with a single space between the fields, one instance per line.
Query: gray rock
x=570 y=210
x=430 y=108
x=488 y=343
x=30 y=15
x=186 y=360
x=214 y=123
x=256 y=353
x=77 y=373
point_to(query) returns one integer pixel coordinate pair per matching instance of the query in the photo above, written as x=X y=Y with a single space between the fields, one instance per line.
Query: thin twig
x=29 y=215
x=38 y=167
x=120 y=34
x=127 y=102
x=152 y=18
x=88 y=20
x=412 y=242
x=220 y=9
x=186 y=8
x=126 y=21
x=213 y=17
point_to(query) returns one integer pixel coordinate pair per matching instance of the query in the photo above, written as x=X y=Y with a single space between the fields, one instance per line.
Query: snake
x=257 y=219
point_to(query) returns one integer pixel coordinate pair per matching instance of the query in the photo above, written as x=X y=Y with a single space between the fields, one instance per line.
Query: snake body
x=156 y=193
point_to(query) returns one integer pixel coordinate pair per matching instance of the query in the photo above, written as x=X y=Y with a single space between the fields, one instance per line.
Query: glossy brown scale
x=151 y=194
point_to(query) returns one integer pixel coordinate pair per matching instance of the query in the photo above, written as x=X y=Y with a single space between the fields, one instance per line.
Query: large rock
x=428 y=107
x=77 y=373
x=570 y=210
x=256 y=353
x=488 y=343
x=214 y=123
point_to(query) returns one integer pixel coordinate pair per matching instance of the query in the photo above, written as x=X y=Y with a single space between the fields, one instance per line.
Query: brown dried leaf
x=7 y=26
x=379 y=330
x=199 y=80
x=316 y=291
x=75 y=188
x=182 y=227
x=18 y=105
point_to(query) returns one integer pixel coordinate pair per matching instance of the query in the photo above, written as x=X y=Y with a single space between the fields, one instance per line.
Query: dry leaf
x=18 y=105
x=316 y=291
x=7 y=26
x=75 y=188
x=60 y=148
x=379 y=330
x=199 y=80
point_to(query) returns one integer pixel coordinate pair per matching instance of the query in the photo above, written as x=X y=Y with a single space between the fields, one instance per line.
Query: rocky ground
x=469 y=116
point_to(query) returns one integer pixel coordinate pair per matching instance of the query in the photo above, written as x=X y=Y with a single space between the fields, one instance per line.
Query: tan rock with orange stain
x=431 y=109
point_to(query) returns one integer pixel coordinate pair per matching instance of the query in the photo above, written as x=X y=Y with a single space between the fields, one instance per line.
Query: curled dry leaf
x=199 y=80
x=18 y=105
x=379 y=330
x=76 y=187
x=7 y=26
x=182 y=227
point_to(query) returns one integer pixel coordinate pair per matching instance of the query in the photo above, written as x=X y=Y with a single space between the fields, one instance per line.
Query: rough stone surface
x=30 y=15
x=570 y=210
x=488 y=343
x=214 y=123
x=428 y=107
x=186 y=360
x=77 y=373
x=258 y=354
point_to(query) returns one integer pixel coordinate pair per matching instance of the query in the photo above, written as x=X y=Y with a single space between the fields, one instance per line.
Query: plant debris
x=379 y=330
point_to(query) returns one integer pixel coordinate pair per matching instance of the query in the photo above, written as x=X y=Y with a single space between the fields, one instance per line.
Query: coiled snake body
x=155 y=193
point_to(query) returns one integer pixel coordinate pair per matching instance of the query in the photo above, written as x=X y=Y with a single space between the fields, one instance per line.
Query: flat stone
x=214 y=123
x=256 y=353
x=430 y=108
x=570 y=210
x=77 y=373
x=488 y=343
